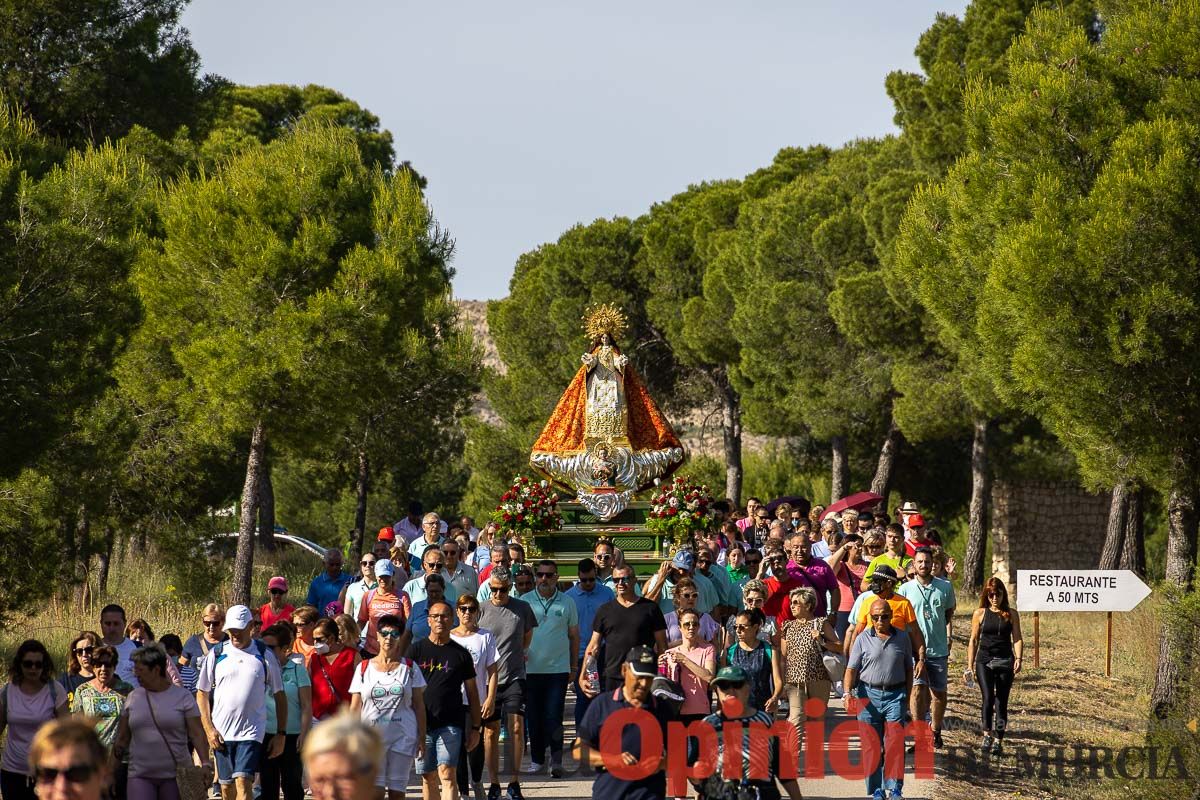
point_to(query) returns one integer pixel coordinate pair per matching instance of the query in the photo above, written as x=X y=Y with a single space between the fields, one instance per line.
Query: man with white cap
x=232 y=700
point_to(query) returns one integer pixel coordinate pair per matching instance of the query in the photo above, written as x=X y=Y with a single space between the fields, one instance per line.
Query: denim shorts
x=238 y=760
x=937 y=672
x=442 y=746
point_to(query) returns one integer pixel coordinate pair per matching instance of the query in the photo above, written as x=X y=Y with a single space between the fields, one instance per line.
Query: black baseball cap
x=643 y=661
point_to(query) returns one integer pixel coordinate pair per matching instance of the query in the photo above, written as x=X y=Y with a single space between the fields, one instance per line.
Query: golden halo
x=604 y=319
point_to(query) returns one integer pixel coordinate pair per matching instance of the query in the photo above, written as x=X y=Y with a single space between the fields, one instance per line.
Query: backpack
x=218 y=653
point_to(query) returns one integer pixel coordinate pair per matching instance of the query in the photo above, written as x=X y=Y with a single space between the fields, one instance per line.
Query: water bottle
x=591 y=674
x=970 y=678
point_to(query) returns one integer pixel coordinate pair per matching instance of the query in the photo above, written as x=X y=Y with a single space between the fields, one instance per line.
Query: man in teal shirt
x=933 y=603
x=551 y=660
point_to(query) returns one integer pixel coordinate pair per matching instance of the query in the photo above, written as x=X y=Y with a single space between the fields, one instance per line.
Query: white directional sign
x=1079 y=590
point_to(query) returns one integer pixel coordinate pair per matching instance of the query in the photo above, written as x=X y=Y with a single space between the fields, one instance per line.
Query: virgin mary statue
x=606 y=438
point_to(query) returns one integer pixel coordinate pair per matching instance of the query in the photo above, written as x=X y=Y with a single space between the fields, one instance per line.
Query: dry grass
x=1066 y=703
x=145 y=587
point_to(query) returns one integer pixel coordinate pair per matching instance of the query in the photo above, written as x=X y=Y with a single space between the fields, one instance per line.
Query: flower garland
x=680 y=510
x=527 y=509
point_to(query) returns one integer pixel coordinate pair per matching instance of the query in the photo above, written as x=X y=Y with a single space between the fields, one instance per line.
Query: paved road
x=831 y=786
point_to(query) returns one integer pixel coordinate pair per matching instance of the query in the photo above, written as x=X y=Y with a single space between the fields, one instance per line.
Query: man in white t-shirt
x=112 y=632
x=234 y=715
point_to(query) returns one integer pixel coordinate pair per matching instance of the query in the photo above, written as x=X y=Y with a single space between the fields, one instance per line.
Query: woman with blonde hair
x=68 y=762
x=806 y=639
x=213 y=633
x=341 y=757
x=348 y=631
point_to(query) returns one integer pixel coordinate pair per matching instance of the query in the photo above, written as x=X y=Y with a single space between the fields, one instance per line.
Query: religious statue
x=606 y=438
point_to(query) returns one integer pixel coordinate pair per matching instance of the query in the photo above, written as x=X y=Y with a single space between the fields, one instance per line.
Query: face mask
x=321 y=648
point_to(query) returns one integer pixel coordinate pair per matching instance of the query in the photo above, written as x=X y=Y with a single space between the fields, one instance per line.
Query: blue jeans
x=442 y=747
x=884 y=706
x=546 y=698
x=842 y=625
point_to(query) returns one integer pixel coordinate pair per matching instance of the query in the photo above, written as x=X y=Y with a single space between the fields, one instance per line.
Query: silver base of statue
x=605 y=506
x=612 y=468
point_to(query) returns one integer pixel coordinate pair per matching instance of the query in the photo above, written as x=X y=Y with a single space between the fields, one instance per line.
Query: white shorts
x=395 y=771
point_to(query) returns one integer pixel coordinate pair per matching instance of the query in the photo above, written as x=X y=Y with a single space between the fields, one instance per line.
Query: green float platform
x=580 y=530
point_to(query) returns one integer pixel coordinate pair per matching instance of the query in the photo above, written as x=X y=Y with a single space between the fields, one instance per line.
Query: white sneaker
x=533 y=768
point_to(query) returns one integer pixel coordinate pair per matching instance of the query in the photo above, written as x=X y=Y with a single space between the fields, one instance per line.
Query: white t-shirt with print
x=482 y=647
x=237 y=680
x=387 y=702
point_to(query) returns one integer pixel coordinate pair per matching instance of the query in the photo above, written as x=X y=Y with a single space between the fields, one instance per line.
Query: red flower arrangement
x=680 y=509
x=528 y=508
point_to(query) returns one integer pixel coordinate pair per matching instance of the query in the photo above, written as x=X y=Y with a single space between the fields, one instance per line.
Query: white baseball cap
x=238 y=618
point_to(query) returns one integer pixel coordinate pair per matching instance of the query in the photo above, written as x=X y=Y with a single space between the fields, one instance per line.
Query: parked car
x=225 y=544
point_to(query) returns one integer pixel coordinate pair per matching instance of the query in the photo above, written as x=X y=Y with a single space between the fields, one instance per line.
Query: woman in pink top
x=692 y=665
x=848 y=567
x=29 y=699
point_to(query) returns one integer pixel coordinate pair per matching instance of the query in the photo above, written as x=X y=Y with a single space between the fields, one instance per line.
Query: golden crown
x=604 y=319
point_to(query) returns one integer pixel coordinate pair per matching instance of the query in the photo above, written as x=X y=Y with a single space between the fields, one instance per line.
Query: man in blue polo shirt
x=933 y=602
x=638 y=673
x=881 y=660
x=327 y=587
x=550 y=661
x=588 y=594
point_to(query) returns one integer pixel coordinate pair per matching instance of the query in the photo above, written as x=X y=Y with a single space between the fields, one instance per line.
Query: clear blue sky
x=528 y=117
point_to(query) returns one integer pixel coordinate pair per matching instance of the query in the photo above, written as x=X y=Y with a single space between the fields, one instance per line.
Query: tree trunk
x=79 y=569
x=840 y=478
x=1114 y=537
x=104 y=560
x=977 y=518
x=881 y=484
x=243 y=564
x=731 y=438
x=266 y=508
x=1175 y=646
x=361 y=486
x=1133 y=554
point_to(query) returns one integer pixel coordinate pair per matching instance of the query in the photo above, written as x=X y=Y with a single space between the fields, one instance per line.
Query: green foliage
x=245 y=115
x=87 y=72
x=68 y=240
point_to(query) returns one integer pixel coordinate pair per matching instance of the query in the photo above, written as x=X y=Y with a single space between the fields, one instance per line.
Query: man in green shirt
x=551 y=660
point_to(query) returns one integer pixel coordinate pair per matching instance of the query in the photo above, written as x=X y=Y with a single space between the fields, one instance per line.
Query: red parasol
x=856 y=502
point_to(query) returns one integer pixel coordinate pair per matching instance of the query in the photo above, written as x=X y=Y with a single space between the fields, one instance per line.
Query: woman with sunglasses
x=286 y=770
x=482 y=646
x=68 y=762
x=994 y=659
x=353 y=593
x=684 y=598
x=29 y=699
x=691 y=663
x=849 y=568
x=103 y=697
x=759 y=660
x=806 y=639
x=277 y=608
x=79 y=662
x=330 y=669
x=212 y=618
x=159 y=720
x=754 y=597
x=388 y=694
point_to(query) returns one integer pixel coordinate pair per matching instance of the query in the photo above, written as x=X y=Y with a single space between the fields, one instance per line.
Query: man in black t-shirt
x=447 y=667
x=621 y=625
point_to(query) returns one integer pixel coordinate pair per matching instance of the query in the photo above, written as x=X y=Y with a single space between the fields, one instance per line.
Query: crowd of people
x=451 y=647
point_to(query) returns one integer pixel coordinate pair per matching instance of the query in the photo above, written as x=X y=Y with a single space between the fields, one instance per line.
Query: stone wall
x=1037 y=525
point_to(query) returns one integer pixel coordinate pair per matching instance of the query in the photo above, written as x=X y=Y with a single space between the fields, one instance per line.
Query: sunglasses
x=468 y=609
x=212 y=623
x=439 y=616
x=79 y=773
x=603 y=556
x=319 y=640
x=434 y=564
x=390 y=633
x=743 y=627
x=279 y=591
x=731 y=686
x=370 y=562
x=622 y=579
x=29 y=663
x=689 y=624
x=502 y=590
x=879 y=617
x=84 y=651
x=588 y=580
x=547 y=574
x=104 y=664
